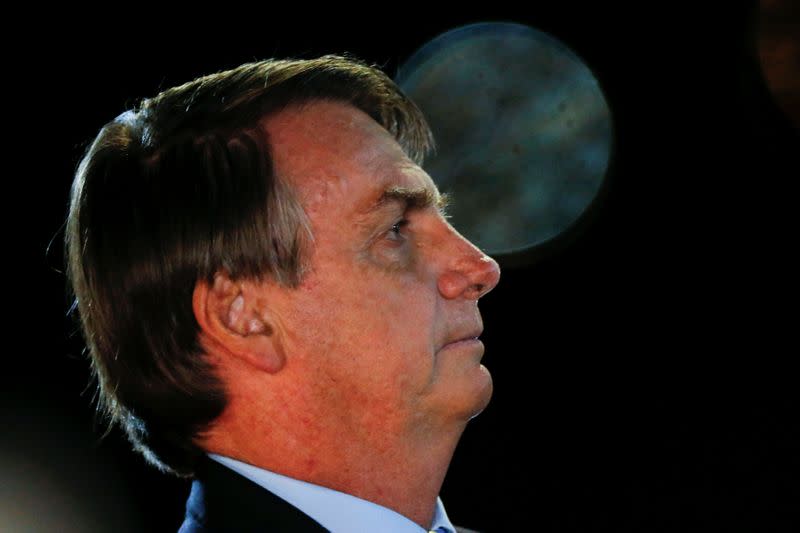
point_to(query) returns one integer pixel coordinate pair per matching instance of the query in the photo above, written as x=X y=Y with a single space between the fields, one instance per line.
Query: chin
x=479 y=395
x=485 y=394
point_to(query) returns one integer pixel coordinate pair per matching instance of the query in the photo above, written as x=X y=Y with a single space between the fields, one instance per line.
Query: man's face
x=369 y=325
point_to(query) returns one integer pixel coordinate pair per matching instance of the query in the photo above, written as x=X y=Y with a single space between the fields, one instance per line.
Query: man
x=273 y=298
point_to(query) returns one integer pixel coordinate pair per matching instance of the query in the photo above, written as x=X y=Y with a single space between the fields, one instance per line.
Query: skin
x=346 y=381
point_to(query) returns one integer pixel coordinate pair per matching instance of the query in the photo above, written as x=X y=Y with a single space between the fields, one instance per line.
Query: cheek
x=384 y=326
x=396 y=299
x=374 y=312
x=395 y=260
x=397 y=331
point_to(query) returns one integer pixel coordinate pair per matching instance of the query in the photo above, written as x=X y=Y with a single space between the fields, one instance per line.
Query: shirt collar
x=334 y=510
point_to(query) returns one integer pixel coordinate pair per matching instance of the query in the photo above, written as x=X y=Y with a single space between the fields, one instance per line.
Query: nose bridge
x=467 y=271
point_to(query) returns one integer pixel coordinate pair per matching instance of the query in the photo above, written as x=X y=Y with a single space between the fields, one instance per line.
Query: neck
x=399 y=467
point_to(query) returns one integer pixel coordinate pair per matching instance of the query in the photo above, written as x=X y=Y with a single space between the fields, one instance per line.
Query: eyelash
x=399 y=224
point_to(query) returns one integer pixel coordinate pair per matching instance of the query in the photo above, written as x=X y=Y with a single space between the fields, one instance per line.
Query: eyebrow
x=418 y=198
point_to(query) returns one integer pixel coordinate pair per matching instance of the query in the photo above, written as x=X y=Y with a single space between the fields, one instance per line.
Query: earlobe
x=233 y=325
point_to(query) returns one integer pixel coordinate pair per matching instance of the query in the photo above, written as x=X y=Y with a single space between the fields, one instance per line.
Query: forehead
x=333 y=151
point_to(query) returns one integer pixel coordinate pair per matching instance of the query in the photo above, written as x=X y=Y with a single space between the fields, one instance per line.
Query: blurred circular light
x=522 y=129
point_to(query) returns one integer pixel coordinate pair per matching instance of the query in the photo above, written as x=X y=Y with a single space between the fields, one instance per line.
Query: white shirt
x=336 y=511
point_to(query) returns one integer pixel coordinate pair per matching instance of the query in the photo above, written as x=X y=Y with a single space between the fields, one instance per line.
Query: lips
x=470 y=335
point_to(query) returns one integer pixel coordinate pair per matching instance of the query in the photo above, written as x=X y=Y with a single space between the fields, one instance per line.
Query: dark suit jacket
x=223 y=500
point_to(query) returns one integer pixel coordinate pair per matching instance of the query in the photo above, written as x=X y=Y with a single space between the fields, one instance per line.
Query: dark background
x=643 y=370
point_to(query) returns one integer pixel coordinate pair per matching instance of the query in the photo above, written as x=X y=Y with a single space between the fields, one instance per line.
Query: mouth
x=469 y=339
x=472 y=341
x=464 y=334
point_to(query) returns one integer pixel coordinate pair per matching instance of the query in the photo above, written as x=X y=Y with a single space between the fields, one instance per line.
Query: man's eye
x=394 y=233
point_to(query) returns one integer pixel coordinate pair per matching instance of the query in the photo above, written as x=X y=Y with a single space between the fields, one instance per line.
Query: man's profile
x=274 y=302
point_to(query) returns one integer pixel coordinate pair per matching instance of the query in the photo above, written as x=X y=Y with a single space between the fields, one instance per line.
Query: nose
x=468 y=272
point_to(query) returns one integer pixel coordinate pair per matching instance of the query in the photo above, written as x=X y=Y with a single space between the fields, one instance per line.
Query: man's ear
x=236 y=322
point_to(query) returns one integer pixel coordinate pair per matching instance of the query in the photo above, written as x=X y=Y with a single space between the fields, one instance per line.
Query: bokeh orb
x=779 y=52
x=522 y=129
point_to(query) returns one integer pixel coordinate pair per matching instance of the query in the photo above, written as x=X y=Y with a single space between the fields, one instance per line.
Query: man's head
x=360 y=344
x=223 y=249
